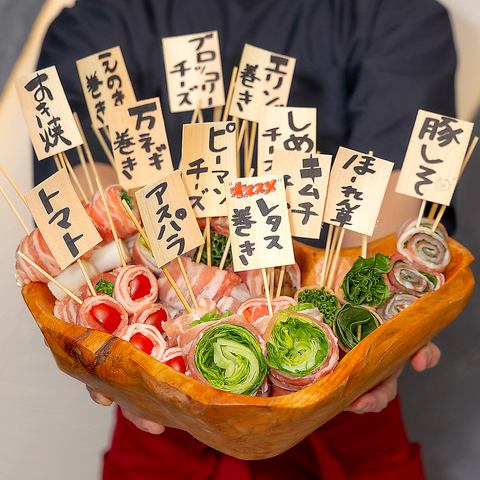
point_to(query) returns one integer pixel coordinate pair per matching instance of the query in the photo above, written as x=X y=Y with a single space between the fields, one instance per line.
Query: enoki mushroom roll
x=423 y=247
x=321 y=298
x=135 y=287
x=227 y=354
x=300 y=350
x=408 y=278
x=353 y=323
x=146 y=338
x=366 y=283
x=395 y=304
x=104 y=313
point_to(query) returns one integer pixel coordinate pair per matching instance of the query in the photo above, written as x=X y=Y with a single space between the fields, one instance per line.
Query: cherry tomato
x=142 y=342
x=139 y=287
x=177 y=364
x=156 y=319
x=107 y=317
x=254 y=312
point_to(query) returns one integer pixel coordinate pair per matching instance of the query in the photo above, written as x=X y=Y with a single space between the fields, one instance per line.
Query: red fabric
x=353 y=447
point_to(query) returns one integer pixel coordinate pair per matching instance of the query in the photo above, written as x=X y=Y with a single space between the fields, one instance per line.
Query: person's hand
x=377 y=399
x=141 y=423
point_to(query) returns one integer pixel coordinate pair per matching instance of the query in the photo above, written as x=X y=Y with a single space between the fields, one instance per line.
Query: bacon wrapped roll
x=135 y=286
x=353 y=323
x=321 y=298
x=253 y=279
x=300 y=350
x=142 y=255
x=173 y=358
x=114 y=194
x=154 y=314
x=208 y=282
x=227 y=354
x=395 y=304
x=408 y=278
x=34 y=247
x=423 y=247
x=366 y=283
x=104 y=313
x=146 y=338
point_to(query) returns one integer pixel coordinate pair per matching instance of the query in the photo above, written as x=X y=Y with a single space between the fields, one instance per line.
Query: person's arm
x=399 y=57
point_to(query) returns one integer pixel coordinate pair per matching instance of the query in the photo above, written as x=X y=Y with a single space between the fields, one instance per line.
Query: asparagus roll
x=227 y=354
x=322 y=298
x=354 y=323
x=406 y=277
x=366 y=283
x=300 y=350
x=396 y=304
x=423 y=247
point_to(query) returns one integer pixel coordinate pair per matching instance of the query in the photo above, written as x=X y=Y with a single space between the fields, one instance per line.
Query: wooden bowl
x=242 y=426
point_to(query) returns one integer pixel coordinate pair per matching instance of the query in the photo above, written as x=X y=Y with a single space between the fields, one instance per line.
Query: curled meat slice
x=104 y=313
x=146 y=338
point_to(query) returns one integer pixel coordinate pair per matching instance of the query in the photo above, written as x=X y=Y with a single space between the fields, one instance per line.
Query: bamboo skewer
x=217 y=114
x=169 y=278
x=267 y=291
x=271 y=280
x=327 y=255
x=87 y=278
x=201 y=247
x=280 y=281
x=225 y=254
x=12 y=182
x=421 y=212
x=14 y=210
x=83 y=163
x=103 y=144
x=435 y=206
x=433 y=210
x=331 y=275
x=364 y=251
x=231 y=88
x=251 y=146
x=241 y=134
x=187 y=282
x=72 y=173
x=196 y=113
x=52 y=279
x=57 y=162
x=209 y=242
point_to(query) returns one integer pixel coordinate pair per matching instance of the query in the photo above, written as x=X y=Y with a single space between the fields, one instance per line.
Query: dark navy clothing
x=366 y=65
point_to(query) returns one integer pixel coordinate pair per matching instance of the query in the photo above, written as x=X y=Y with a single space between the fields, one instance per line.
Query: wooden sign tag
x=61 y=219
x=193 y=67
x=306 y=183
x=208 y=162
x=264 y=79
x=105 y=84
x=355 y=191
x=434 y=157
x=140 y=143
x=47 y=113
x=285 y=128
x=168 y=218
x=258 y=222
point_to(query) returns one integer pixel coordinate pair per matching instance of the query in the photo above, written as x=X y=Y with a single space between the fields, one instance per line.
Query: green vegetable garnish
x=354 y=320
x=229 y=358
x=104 y=286
x=326 y=303
x=297 y=345
x=218 y=244
x=300 y=307
x=365 y=283
x=210 y=317
x=125 y=196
